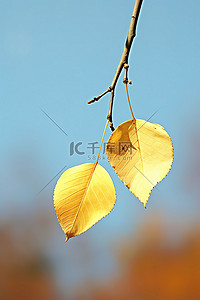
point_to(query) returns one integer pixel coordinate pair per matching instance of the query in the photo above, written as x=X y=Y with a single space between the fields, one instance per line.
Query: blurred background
x=55 y=56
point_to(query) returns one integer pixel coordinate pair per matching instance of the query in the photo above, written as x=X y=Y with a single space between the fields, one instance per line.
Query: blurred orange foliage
x=151 y=269
x=23 y=276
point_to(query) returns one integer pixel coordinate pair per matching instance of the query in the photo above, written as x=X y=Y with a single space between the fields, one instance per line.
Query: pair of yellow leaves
x=141 y=154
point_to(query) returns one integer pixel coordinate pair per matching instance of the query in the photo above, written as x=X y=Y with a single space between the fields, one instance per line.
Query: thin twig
x=109 y=117
x=99 y=97
x=123 y=60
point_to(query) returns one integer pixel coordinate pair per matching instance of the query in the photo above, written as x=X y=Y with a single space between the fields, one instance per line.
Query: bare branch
x=123 y=60
x=109 y=117
x=99 y=97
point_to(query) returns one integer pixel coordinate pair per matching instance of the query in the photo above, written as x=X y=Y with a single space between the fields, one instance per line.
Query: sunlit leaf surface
x=141 y=154
x=83 y=195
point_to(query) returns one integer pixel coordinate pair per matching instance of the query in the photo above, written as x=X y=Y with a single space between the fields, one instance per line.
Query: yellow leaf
x=141 y=154
x=83 y=195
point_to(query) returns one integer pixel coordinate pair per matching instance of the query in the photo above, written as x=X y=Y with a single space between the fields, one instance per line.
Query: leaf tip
x=67 y=238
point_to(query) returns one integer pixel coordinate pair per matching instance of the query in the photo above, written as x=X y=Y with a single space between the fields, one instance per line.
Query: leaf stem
x=129 y=102
x=102 y=141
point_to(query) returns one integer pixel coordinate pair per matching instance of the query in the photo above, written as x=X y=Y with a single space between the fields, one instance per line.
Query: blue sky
x=57 y=55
